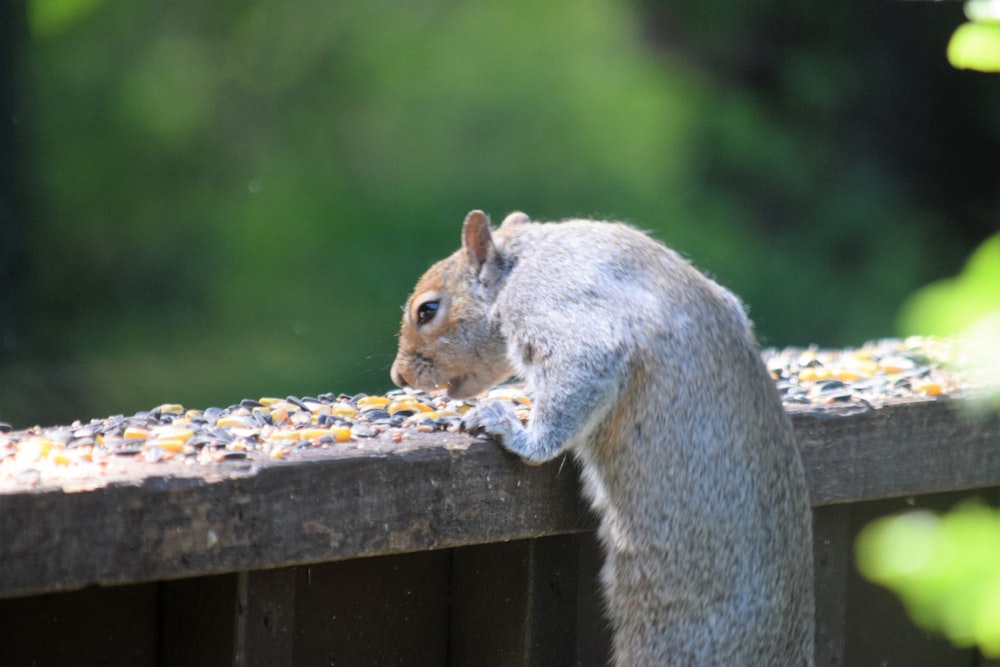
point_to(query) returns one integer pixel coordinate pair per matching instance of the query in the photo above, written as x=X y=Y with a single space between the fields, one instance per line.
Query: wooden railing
x=440 y=550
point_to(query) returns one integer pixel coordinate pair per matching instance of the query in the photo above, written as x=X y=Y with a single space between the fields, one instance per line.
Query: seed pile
x=275 y=428
x=877 y=371
x=255 y=429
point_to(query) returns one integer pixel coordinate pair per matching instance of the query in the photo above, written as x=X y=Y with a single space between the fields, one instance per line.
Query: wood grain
x=439 y=491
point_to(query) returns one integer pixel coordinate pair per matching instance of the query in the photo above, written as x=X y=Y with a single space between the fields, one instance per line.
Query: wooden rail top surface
x=153 y=521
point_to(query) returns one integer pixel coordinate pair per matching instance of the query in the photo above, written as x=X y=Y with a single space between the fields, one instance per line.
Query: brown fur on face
x=456 y=347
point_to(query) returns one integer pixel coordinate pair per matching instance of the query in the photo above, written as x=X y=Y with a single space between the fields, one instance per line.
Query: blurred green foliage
x=943 y=567
x=50 y=17
x=952 y=305
x=967 y=307
x=976 y=44
x=233 y=199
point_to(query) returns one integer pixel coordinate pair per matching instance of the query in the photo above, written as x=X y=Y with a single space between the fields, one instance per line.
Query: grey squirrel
x=649 y=372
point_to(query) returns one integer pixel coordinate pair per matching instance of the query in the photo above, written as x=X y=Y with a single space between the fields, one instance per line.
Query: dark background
x=205 y=201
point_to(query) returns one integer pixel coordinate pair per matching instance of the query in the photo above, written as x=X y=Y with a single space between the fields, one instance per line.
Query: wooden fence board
x=906 y=448
x=440 y=490
x=877 y=630
x=833 y=566
x=95 y=626
x=314 y=509
x=373 y=611
x=198 y=621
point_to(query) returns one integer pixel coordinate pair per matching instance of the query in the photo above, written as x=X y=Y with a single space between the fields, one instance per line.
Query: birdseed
x=270 y=428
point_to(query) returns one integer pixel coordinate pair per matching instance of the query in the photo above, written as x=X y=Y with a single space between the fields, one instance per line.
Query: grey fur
x=649 y=373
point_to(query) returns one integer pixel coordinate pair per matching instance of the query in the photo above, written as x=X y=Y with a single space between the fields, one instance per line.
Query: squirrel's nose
x=397 y=376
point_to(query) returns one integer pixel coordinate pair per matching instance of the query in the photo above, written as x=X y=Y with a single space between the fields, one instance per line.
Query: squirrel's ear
x=515 y=218
x=477 y=238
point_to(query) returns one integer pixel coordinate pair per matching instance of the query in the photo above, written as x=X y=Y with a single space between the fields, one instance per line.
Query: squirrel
x=650 y=374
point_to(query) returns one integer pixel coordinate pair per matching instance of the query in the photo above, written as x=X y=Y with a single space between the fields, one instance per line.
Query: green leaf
x=976 y=46
x=953 y=305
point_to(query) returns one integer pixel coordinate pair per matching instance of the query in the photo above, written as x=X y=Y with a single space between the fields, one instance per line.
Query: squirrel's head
x=448 y=339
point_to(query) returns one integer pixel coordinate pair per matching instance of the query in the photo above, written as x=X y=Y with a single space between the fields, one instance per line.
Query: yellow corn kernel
x=172 y=409
x=407 y=404
x=172 y=433
x=868 y=367
x=815 y=374
x=343 y=410
x=373 y=402
x=279 y=415
x=269 y=402
x=286 y=434
x=313 y=433
x=847 y=375
x=136 y=433
x=928 y=388
x=892 y=365
x=44 y=446
x=513 y=394
x=56 y=453
x=279 y=452
x=172 y=445
x=59 y=457
x=341 y=433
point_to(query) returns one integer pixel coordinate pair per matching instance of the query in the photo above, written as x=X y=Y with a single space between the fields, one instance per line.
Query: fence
x=440 y=550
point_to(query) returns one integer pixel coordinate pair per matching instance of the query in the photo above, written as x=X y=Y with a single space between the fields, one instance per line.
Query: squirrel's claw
x=498 y=420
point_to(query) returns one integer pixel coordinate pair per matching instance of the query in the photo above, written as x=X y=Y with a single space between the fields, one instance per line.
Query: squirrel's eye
x=427 y=310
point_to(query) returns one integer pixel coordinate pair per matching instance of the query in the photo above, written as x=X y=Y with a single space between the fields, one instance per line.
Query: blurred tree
x=235 y=198
x=842 y=136
x=12 y=195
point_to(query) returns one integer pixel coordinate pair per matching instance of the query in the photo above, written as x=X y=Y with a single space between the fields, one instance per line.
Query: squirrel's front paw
x=497 y=420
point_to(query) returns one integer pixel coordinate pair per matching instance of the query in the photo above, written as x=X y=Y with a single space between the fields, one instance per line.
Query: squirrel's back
x=694 y=464
x=649 y=372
